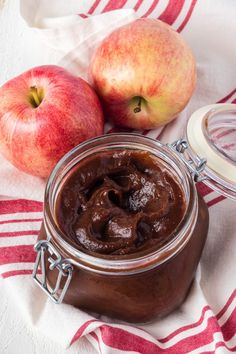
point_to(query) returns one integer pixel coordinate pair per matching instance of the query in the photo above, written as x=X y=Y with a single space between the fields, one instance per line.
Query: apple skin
x=35 y=138
x=144 y=60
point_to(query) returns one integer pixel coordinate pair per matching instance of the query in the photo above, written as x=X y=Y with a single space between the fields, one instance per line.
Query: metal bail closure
x=63 y=266
x=195 y=168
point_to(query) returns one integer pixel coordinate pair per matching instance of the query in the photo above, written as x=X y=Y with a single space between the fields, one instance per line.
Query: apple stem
x=137 y=109
x=35 y=95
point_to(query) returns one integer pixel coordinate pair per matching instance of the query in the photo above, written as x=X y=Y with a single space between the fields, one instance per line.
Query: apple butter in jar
x=123 y=229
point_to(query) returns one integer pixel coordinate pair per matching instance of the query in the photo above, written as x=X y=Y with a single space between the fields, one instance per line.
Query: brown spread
x=120 y=202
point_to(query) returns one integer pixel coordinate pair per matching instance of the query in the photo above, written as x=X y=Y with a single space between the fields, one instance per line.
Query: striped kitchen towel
x=206 y=322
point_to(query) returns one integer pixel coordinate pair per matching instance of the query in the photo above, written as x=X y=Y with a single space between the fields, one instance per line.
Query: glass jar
x=135 y=288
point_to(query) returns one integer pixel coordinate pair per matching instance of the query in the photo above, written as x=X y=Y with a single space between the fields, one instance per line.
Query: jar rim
x=120 y=264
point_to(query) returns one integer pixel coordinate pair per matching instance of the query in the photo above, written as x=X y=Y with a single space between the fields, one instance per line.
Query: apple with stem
x=44 y=113
x=144 y=74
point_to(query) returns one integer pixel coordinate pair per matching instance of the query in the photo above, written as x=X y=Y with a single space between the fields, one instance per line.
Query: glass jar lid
x=211 y=134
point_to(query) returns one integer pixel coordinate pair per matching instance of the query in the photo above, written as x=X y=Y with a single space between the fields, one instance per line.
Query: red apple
x=44 y=113
x=144 y=73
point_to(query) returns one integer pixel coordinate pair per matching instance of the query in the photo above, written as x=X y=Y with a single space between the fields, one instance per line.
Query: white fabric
x=71 y=39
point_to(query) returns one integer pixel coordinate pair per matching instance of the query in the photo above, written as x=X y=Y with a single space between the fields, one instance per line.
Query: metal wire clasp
x=195 y=168
x=63 y=266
